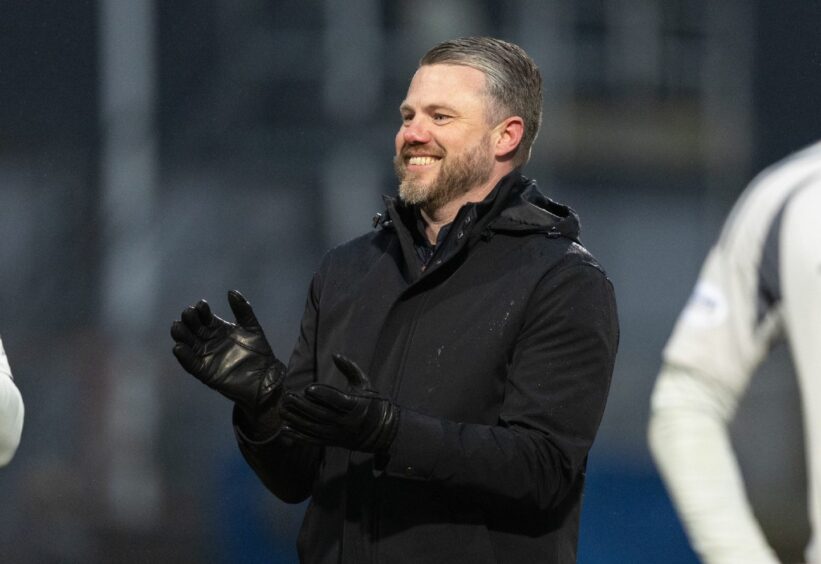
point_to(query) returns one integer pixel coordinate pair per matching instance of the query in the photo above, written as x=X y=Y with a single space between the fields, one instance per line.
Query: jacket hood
x=525 y=209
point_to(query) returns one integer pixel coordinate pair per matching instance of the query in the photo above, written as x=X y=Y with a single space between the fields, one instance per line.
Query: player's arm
x=708 y=362
x=690 y=442
x=11 y=411
x=800 y=260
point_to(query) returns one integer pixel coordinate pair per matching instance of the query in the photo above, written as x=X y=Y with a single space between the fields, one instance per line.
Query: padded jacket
x=500 y=355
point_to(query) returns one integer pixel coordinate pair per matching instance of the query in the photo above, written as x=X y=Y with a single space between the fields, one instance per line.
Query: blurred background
x=153 y=153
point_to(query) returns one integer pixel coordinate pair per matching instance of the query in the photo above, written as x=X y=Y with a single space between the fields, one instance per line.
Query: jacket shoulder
x=551 y=252
x=577 y=254
x=357 y=254
x=373 y=242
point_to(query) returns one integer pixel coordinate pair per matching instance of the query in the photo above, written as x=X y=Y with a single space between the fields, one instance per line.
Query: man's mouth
x=422 y=161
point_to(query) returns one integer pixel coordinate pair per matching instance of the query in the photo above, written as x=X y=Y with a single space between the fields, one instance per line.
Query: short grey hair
x=513 y=81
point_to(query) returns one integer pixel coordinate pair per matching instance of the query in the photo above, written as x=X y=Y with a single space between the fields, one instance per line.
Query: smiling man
x=444 y=156
x=453 y=365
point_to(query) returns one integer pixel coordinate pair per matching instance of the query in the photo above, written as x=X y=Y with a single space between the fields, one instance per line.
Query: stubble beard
x=457 y=176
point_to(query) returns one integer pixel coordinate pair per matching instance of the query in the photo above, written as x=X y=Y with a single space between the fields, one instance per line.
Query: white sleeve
x=800 y=261
x=689 y=439
x=717 y=343
x=11 y=411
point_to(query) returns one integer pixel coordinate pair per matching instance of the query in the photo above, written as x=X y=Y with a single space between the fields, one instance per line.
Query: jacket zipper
x=377 y=498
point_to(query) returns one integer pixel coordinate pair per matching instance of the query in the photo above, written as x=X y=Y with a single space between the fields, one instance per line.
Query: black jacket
x=500 y=354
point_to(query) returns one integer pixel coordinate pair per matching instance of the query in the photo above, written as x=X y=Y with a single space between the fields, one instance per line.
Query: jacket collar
x=515 y=205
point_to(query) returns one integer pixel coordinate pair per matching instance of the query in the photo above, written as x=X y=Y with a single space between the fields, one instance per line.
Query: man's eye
x=440 y=117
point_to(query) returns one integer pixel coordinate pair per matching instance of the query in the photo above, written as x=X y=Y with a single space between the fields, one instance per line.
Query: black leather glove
x=233 y=358
x=358 y=419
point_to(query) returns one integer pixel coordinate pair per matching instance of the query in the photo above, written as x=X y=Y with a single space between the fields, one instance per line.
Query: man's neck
x=434 y=224
x=437 y=218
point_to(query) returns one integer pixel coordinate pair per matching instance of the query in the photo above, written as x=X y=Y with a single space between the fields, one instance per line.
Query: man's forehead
x=445 y=82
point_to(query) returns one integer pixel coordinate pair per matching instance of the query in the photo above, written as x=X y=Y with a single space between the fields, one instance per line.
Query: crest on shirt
x=707 y=306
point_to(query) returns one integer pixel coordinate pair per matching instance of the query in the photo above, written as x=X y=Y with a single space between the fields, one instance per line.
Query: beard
x=457 y=175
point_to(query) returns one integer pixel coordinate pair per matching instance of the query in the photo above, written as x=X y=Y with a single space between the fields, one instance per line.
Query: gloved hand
x=233 y=358
x=358 y=419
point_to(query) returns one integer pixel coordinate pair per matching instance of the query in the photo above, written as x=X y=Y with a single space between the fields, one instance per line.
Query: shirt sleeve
x=690 y=442
x=708 y=362
x=557 y=386
x=801 y=281
x=11 y=411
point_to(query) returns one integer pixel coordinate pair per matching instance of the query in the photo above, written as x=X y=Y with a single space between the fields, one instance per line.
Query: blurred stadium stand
x=152 y=153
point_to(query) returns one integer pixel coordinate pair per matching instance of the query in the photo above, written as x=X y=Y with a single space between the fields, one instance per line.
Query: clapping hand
x=356 y=419
x=233 y=358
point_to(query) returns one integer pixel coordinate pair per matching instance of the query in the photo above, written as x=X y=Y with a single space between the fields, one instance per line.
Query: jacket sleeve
x=557 y=384
x=288 y=469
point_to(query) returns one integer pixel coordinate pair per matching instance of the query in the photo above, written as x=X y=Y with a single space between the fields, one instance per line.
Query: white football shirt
x=760 y=282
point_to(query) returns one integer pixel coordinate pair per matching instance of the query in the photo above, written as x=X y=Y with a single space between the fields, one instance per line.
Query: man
x=11 y=411
x=760 y=282
x=453 y=365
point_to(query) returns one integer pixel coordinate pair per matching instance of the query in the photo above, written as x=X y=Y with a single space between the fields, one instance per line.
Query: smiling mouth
x=423 y=161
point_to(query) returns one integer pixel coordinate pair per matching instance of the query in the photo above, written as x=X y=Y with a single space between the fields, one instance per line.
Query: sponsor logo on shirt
x=707 y=306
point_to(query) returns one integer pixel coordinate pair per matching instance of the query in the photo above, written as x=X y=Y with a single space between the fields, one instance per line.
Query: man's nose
x=415 y=133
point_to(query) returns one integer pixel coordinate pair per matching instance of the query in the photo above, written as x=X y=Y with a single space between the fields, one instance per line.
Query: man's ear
x=508 y=135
